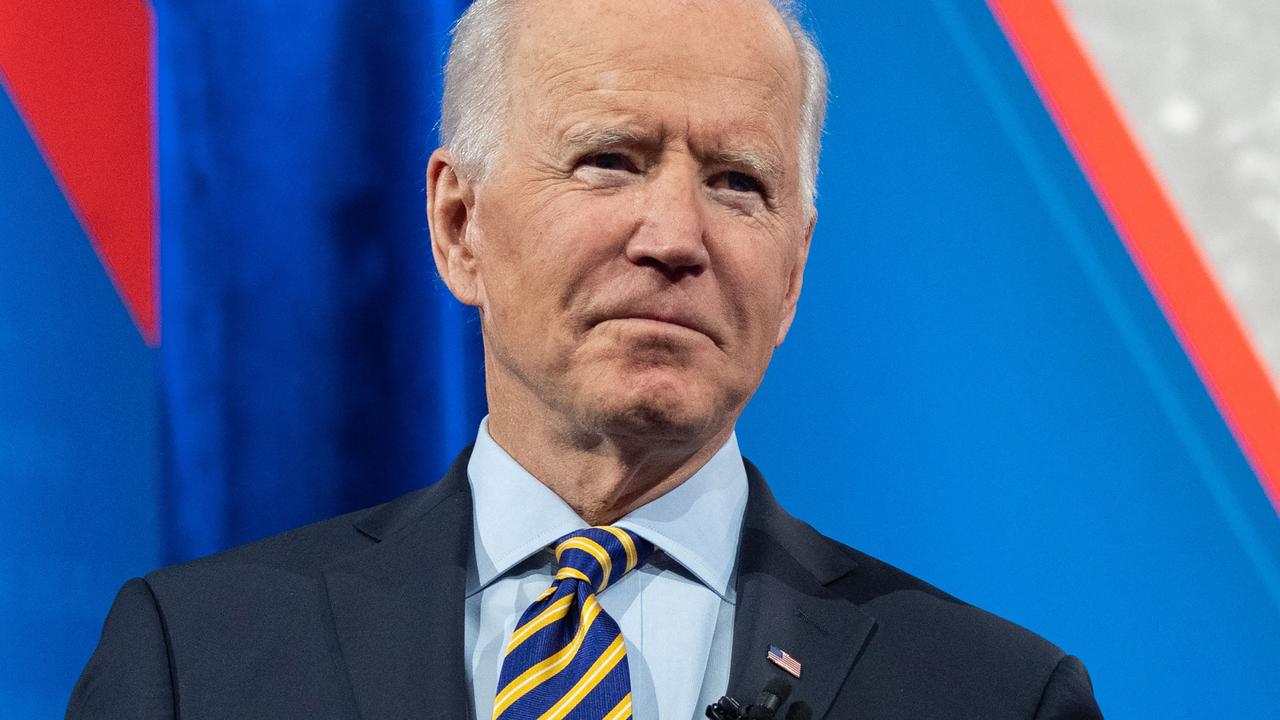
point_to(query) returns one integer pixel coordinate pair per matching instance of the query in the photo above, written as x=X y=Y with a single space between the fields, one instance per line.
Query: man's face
x=640 y=240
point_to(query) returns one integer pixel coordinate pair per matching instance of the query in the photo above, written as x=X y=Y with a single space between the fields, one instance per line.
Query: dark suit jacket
x=362 y=617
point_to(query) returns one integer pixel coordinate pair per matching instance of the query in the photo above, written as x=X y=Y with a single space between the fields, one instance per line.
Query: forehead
x=726 y=66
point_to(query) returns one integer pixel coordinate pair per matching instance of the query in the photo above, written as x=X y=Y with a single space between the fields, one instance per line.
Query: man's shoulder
x=906 y=604
x=299 y=555
x=304 y=549
x=925 y=637
x=270 y=609
x=903 y=606
x=909 y=614
x=915 y=650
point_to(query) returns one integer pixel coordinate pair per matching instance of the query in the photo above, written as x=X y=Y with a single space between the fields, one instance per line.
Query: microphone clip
x=726 y=708
x=766 y=707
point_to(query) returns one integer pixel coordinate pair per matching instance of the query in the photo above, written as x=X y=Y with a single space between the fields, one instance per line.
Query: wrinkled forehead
x=565 y=47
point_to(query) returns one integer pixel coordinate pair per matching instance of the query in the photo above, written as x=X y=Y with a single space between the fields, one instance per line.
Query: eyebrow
x=598 y=137
x=591 y=138
x=759 y=164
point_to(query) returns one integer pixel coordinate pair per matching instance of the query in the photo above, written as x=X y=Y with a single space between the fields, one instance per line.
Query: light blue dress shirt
x=676 y=612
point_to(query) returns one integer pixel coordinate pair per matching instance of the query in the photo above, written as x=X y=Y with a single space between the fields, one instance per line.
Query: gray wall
x=1199 y=83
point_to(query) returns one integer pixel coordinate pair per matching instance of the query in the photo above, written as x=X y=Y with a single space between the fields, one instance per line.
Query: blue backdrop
x=311 y=361
x=80 y=477
x=979 y=387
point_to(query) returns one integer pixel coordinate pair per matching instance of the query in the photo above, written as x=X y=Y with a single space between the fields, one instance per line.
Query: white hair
x=475 y=96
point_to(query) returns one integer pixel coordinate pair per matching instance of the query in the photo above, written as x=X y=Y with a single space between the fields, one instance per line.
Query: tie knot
x=600 y=555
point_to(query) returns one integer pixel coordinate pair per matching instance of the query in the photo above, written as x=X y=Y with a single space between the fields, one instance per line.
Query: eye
x=609 y=161
x=737 y=182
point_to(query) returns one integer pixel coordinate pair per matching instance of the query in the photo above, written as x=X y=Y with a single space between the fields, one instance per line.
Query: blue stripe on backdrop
x=980 y=388
x=312 y=362
x=79 y=467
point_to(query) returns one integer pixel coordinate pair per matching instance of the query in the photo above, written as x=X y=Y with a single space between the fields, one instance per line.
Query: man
x=626 y=195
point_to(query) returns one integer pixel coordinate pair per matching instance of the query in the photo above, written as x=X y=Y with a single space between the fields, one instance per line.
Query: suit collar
x=398 y=606
x=399 y=626
x=785 y=569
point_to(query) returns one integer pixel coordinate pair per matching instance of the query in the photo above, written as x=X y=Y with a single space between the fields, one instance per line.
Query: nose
x=672 y=236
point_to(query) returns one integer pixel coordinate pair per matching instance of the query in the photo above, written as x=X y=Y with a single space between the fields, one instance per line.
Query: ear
x=450 y=209
x=794 y=280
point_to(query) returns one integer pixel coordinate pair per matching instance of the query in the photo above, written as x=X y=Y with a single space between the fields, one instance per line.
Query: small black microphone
x=774 y=694
x=799 y=711
x=726 y=708
x=772 y=697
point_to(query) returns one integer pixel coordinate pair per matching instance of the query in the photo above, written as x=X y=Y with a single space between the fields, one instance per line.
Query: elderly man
x=626 y=195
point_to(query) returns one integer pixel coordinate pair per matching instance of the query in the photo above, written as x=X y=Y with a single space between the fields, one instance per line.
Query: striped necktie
x=566 y=658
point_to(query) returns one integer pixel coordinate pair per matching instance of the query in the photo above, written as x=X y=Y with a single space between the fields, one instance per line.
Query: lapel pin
x=779 y=657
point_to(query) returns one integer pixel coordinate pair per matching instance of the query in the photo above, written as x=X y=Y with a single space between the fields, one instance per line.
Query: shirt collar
x=697 y=524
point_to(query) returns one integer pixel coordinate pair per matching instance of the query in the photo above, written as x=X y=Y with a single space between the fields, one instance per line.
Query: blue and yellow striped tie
x=566 y=658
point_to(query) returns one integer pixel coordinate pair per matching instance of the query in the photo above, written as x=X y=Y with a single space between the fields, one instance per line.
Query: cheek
x=577 y=235
x=542 y=262
x=755 y=271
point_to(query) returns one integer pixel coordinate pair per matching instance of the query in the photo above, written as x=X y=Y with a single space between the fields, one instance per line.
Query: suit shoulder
x=895 y=597
x=876 y=577
x=909 y=612
x=306 y=549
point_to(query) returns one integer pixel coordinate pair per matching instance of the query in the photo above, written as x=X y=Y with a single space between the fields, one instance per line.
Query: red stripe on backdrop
x=1147 y=222
x=81 y=73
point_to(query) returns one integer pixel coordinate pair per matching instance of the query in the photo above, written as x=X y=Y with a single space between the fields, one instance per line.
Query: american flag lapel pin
x=779 y=657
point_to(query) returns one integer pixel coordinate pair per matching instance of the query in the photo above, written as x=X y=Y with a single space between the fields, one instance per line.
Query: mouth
x=682 y=321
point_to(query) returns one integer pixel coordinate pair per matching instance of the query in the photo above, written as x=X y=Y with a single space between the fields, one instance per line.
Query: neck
x=602 y=476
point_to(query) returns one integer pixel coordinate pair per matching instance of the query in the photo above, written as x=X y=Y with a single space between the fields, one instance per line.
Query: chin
x=671 y=412
x=655 y=420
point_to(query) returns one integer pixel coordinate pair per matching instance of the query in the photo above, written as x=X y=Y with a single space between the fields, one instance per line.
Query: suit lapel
x=784 y=567
x=398 y=606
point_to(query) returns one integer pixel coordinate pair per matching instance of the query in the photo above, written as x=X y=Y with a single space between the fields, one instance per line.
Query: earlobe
x=450 y=205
